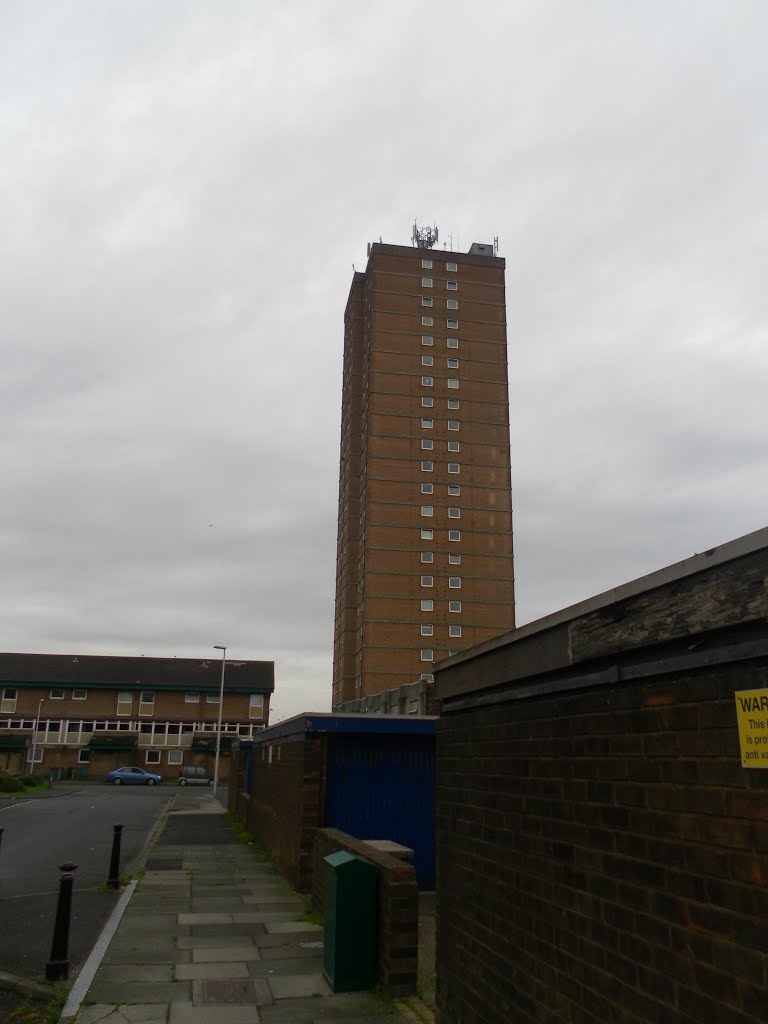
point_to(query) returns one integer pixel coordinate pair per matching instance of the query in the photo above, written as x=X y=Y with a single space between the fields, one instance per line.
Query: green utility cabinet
x=350 y=939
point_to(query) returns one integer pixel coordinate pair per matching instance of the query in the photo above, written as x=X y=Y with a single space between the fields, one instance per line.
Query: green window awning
x=207 y=744
x=116 y=743
x=13 y=743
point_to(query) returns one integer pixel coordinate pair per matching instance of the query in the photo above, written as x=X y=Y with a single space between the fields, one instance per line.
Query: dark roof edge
x=729 y=551
x=309 y=723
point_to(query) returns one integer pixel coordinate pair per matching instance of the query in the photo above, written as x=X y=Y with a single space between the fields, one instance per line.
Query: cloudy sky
x=184 y=189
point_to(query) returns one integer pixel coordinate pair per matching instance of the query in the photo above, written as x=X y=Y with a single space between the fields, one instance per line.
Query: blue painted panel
x=382 y=787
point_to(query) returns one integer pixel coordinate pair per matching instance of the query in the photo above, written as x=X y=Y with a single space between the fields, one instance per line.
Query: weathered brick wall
x=286 y=804
x=603 y=856
x=398 y=908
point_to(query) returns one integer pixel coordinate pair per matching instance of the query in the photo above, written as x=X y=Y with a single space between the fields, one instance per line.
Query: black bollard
x=114 y=864
x=58 y=966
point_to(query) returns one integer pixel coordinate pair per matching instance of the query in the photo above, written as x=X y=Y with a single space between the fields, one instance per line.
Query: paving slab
x=135 y=972
x=205 y=919
x=298 y=986
x=186 y=1013
x=284 y=927
x=220 y=954
x=137 y=1013
x=139 y=992
x=228 y=938
x=289 y=965
x=209 y=969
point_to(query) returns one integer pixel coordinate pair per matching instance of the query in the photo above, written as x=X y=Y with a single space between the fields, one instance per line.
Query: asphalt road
x=72 y=824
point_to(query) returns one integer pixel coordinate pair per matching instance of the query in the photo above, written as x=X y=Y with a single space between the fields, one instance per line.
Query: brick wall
x=286 y=803
x=398 y=908
x=602 y=853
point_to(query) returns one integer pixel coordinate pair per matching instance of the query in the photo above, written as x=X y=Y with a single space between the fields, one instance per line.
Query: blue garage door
x=382 y=787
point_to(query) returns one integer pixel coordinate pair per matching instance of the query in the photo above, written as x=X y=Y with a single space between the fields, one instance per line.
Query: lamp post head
x=219 y=647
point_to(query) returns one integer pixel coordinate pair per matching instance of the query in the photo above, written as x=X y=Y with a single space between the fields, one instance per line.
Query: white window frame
x=124 y=697
x=427 y=444
x=427 y=402
x=86 y=759
x=452 y=342
x=256 y=705
x=454 y=446
x=427 y=534
x=79 y=694
x=427 y=510
x=427 y=466
x=427 y=489
x=427 y=360
x=426 y=264
x=452 y=325
x=454 y=558
x=427 y=321
x=452 y=303
x=191 y=698
x=454 y=582
x=427 y=604
x=426 y=581
x=146 y=707
x=427 y=654
x=175 y=756
x=452 y=363
x=427 y=339
x=453 y=383
x=454 y=490
x=427 y=300
x=454 y=606
x=454 y=467
x=211 y=698
x=454 y=424
x=452 y=286
x=56 y=693
x=152 y=757
x=451 y=268
x=427 y=423
x=427 y=556
x=454 y=631
x=427 y=629
x=454 y=536
x=427 y=382
x=454 y=403
x=454 y=512
x=426 y=282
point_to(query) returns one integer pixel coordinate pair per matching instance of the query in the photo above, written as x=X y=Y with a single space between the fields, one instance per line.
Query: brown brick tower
x=424 y=560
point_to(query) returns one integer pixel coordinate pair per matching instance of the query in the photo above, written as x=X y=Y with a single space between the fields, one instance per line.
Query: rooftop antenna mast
x=423 y=238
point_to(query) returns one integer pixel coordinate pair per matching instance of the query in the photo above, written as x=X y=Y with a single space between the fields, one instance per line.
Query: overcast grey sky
x=184 y=188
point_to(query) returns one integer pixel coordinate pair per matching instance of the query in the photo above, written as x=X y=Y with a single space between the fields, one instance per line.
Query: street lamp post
x=218 y=647
x=34 y=734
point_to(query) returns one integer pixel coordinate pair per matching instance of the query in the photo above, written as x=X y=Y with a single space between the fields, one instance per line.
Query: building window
x=146 y=702
x=454 y=446
x=426 y=466
x=452 y=286
x=454 y=582
x=454 y=535
x=191 y=698
x=427 y=444
x=426 y=300
x=454 y=631
x=453 y=363
x=453 y=403
x=426 y=282
x=453 y=424
x=427 y=360
x=452 y=342
x=426 y=321
x=256 y=706
x=427 y=629
x=427 y=534
x=83 y=756
x=451 y=267
x=426 y=581
x=124 y=702
x=451 y=653
x=427 y=654
x=79 y=695
x=454 y=467
x=175 y=756
x=427 y=382
x=426 y=264
x=427 y=403
x=427 y=510
x=454 y=512
x=57 y=693
x=427 y=604
x=453 y=490
x=427 y=339
x=153 y=757
x=211 y=698
x=427 y=422
x=454 y=606
x=452 y=325
x=427 y=556
x=427 y=489
x=453 y=382
x=454 y=558
x=452 y=303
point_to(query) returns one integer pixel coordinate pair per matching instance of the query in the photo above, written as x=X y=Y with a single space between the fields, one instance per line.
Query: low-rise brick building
x=82 y=715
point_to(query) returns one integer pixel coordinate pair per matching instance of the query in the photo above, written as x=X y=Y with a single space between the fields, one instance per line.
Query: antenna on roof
x=495 y=245
x=423 y=238
x=368 y=250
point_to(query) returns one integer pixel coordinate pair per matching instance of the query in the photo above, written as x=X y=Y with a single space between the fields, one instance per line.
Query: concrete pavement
x=213 y=935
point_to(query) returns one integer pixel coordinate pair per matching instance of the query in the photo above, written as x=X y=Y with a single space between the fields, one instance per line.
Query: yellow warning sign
x=752 y=719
